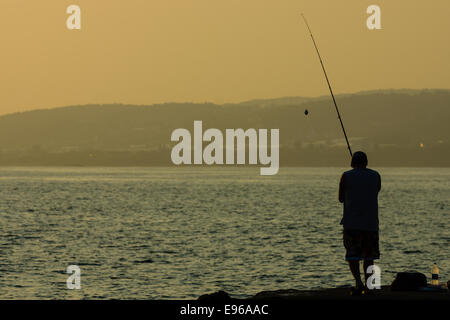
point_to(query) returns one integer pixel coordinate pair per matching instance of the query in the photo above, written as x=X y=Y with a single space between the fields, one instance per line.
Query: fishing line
x=329 y=86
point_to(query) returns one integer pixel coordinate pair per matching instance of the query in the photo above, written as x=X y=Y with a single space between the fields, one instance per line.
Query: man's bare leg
x=354 y=268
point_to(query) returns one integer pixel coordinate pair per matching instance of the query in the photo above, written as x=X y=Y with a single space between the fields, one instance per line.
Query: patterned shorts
x=361 y=245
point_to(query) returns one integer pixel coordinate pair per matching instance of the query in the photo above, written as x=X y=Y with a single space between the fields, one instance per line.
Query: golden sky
x=151 y=51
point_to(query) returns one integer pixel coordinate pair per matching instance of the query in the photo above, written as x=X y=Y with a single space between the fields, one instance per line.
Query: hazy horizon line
x=318 y=97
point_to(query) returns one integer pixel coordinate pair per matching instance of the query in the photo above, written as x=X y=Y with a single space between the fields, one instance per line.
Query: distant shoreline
x=395 y=128
x=203 y=166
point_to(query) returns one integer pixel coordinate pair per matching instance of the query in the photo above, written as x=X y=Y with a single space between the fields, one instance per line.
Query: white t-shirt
x=360 y=188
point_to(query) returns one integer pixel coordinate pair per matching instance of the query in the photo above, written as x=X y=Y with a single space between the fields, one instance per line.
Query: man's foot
x=367 y=292
x=357 y=291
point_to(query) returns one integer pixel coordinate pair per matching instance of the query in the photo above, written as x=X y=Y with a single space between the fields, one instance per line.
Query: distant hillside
x=390 y=125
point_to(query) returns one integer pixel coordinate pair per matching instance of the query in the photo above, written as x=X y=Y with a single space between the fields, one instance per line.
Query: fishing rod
x=329 y=86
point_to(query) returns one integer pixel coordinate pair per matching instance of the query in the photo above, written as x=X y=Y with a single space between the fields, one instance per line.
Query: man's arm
x=379 y=182
x=342 y=189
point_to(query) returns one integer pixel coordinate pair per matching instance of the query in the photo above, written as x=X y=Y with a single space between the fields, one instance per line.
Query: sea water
x=177 y=233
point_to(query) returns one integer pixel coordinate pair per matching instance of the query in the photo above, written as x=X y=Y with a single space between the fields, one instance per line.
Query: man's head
x=359 y=160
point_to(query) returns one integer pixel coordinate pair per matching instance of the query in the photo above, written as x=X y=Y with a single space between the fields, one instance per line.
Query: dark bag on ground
x=409 y=281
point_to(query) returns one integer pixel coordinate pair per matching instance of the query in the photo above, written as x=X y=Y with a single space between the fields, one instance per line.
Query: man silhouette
x=358 y=190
